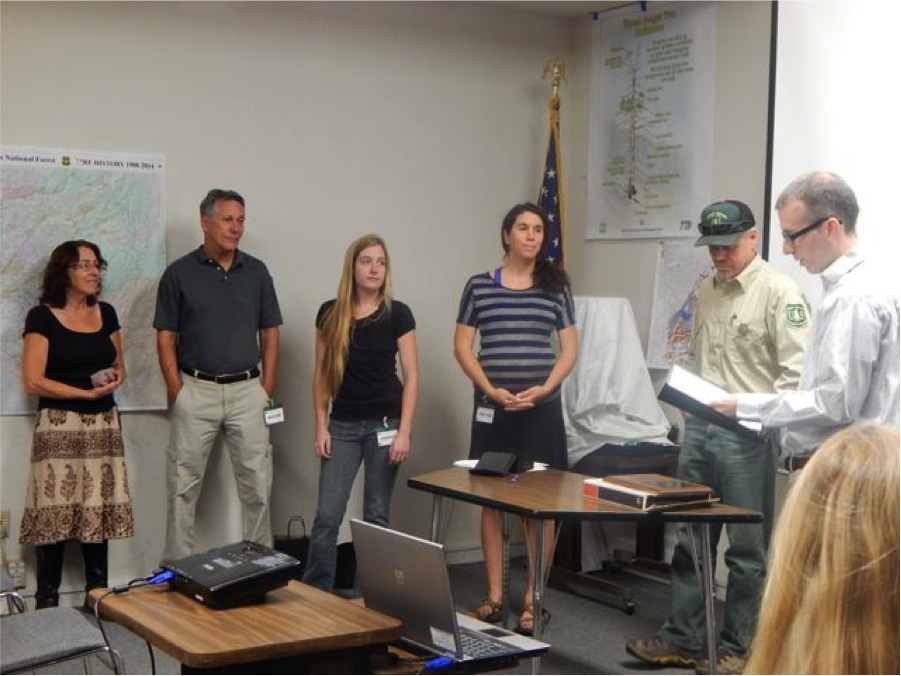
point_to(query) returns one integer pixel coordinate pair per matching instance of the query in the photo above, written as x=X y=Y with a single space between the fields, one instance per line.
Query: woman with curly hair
x=72 y=360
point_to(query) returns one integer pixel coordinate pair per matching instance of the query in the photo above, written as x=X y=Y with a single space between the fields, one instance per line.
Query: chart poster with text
x=651 y=121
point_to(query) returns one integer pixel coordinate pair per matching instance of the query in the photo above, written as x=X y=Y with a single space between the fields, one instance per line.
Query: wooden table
x=298 y=629
x=555 y=494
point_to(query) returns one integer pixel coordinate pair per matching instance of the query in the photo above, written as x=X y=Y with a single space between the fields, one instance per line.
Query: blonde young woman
x=832 y=597
x=517 y=309
x=364 y=412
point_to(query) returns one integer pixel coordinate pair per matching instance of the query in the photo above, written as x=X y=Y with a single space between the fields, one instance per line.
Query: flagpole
x=551 y=194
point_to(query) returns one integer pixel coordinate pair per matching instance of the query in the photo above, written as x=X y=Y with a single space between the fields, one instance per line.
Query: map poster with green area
x=117 y=201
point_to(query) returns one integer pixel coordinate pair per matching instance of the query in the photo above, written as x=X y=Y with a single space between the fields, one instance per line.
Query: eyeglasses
x=724 y=228
x=792 y=236
x=85 y=266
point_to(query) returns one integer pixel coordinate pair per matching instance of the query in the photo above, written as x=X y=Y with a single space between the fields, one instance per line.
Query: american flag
x=550 y=198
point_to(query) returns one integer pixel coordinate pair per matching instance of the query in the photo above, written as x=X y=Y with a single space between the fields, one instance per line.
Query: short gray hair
x=208 y=205
x=823 y=194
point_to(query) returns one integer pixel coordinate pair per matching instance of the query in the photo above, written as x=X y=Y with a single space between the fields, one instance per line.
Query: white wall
x=421 y=121
x=832 y=113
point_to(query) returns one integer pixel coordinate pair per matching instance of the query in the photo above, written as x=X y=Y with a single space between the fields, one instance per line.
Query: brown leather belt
x=224 y=378
x=793 y=463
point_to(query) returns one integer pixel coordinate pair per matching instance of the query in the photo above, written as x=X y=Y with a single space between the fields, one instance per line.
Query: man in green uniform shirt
x=748 y=335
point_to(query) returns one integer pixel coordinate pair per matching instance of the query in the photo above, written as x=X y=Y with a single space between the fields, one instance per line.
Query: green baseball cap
x=723 y=223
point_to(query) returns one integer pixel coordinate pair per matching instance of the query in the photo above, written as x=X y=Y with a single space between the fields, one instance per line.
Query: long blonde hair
x=831 y=601
x=337 y=323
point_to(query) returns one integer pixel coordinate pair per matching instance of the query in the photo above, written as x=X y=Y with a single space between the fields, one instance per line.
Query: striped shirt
x=515 y=327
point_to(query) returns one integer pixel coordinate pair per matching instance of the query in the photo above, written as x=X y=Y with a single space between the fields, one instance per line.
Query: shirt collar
x=202 y=257
x=840 y=267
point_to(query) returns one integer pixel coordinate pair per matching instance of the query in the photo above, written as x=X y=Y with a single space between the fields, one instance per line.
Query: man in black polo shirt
x=217 y=319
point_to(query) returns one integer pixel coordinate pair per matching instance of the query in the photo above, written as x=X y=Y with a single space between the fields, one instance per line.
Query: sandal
x=526 y=625
x=489 y=611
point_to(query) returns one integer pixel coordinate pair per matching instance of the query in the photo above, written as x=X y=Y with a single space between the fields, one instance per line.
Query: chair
x=33 y=640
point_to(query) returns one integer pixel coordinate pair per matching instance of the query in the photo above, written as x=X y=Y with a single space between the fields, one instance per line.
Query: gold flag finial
x=557 y=71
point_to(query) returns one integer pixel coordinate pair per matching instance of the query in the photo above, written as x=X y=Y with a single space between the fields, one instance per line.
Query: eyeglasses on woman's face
x=86 y=266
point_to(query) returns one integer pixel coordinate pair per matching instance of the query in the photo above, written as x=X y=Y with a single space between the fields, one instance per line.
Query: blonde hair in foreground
x=337 y=323
x=831 y=600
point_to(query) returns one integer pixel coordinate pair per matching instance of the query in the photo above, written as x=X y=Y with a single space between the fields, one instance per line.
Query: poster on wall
x=651 y=121
x=117 y=201
x=681 y=266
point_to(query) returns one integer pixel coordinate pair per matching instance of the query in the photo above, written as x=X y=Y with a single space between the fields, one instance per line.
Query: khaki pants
x=200 y=411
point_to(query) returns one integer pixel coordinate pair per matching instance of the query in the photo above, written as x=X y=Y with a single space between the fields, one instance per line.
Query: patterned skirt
x=77 y=481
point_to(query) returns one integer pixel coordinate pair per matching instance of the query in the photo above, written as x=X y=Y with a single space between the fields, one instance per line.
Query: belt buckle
x=795 y=463
x=229 y=378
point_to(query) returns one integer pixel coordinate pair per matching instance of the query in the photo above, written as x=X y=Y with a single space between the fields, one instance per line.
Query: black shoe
x=661 y=652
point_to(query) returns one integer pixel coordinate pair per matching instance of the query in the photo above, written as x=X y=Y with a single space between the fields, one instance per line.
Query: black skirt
x=535 y=435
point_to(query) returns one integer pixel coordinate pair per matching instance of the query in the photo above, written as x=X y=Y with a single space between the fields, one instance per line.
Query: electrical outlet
x=17 y=573
x=4 y=524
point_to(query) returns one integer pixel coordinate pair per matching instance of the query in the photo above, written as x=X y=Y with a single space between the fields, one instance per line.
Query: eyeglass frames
x=87 y=265
x=792 y=236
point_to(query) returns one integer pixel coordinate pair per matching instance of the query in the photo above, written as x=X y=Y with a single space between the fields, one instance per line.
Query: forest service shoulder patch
x=796 y=314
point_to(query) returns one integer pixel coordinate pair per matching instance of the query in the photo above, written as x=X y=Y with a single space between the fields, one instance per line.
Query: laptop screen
x=406 y=577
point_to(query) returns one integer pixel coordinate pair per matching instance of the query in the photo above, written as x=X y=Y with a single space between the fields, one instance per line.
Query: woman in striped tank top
x=517 y=310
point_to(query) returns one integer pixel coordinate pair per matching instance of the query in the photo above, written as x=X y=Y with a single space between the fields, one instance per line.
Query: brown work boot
x=725 y=664
x=661 y=652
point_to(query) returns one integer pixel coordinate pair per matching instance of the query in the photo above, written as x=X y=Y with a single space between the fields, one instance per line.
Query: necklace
x=366 y=309
x=368 y=316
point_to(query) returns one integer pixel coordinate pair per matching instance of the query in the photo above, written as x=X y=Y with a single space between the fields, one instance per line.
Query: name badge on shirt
x=485 y=414
x=273 y=413
x=385 y=435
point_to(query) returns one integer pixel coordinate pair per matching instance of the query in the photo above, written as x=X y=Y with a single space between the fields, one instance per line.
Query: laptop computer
x=406 y=577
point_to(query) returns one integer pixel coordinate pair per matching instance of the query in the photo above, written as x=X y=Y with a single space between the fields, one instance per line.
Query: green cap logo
x=722 y=213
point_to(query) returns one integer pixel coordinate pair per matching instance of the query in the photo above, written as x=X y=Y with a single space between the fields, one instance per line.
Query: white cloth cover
x=609 y=396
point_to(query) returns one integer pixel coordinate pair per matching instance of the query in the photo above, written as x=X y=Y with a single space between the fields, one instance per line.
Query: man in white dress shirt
x=850 y=373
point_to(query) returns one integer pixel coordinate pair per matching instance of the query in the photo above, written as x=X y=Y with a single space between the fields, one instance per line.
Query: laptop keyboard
x=476 y=644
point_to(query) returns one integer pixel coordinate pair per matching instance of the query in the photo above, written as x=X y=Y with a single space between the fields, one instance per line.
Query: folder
x=692 y=394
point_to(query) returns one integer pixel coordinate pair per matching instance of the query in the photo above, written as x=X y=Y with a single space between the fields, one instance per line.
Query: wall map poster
x=115 y=200
x=681 y=267
x=651 y=124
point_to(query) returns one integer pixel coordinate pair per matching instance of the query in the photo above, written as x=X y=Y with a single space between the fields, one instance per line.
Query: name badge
x=274 y=413
x=385 y=436
x=484 y=414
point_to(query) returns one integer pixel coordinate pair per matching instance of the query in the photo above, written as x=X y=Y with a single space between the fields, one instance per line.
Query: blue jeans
x=353 y=442
x=743 y=473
